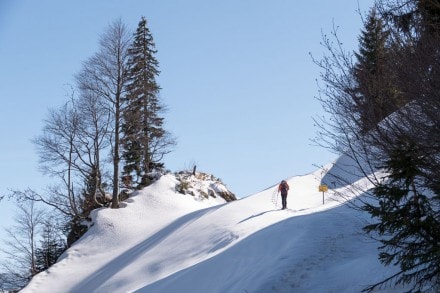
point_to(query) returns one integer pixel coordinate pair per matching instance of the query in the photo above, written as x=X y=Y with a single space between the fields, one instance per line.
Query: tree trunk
x=115 y=198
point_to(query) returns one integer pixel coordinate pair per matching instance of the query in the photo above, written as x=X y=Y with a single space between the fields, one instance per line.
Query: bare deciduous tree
x=105 y=75
x=21 y=244
x=58 y=151
x=93 y=140
x=69 y=149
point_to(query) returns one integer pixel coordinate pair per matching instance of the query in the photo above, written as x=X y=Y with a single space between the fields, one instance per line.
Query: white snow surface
x=164 y=241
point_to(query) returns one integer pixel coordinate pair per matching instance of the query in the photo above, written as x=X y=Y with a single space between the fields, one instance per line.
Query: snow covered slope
x=164 y=241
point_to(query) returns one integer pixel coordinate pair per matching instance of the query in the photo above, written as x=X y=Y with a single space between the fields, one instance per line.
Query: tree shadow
x=111 y=268
x=257 y=215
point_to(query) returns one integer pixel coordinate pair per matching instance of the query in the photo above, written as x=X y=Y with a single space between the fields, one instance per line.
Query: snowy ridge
x=164 y=241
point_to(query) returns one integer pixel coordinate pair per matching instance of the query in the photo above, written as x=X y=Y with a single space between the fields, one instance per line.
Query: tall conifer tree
x=374 y=96
x=143 y=125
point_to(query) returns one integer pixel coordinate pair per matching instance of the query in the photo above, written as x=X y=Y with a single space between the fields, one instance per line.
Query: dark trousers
x=284 y=200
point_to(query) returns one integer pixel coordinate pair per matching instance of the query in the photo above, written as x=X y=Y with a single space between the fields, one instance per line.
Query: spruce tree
x=401 y=69
x=373 y=98
x=51 y=247
x=407 y=219
x=144 y=137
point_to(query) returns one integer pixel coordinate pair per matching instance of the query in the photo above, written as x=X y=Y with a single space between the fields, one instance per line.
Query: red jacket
x=283 y=184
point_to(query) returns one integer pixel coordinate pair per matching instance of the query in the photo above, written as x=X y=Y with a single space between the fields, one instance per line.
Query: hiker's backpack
x=284 y=188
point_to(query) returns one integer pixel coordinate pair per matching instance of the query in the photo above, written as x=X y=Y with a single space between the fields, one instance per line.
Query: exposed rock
x=202 y=186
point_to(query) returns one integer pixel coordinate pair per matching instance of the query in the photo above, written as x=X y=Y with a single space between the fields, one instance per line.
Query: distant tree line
x=106 y=140
x=384 y=103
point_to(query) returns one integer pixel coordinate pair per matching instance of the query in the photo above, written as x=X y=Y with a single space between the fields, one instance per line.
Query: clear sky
x=236 y=76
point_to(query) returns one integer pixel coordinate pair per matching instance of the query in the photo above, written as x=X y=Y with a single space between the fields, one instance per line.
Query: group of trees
x=33 y=244
x=107 y=137
x=112 y=119
x=116 y=114
x=384 y=103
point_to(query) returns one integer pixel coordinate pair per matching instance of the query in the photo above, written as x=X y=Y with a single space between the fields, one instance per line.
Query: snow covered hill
x=165 y=241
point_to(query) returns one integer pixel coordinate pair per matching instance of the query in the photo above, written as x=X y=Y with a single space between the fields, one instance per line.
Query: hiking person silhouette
x=284 y=189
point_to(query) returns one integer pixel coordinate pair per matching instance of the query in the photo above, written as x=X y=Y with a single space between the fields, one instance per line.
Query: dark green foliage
x=375 y=95
x=51 y=247
x=385 y=114
x=372 y=45
x=408 y=207
x=421 y=16
x=76 y=228
x=430 y=10
x=407 y=220
x=143 y=125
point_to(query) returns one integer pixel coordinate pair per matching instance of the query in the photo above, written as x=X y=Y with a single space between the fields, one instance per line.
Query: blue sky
x=236 y=76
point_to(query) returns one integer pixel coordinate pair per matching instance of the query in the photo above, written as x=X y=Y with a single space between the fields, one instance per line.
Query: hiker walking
x=284 y=189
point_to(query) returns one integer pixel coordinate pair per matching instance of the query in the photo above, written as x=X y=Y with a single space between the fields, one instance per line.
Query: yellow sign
x=323 y=188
